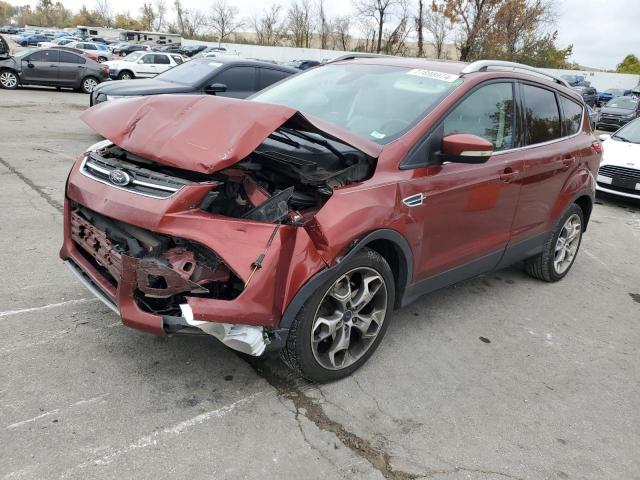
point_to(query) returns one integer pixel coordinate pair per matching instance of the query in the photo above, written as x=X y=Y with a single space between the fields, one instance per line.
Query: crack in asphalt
x=47 y=198
x=312 y=411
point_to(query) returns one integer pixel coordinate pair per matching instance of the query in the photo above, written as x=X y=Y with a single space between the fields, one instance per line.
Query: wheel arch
x=585 y=202
x=389 y=243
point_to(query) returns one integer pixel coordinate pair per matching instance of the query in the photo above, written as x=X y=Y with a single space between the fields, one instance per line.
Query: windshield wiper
x=311 y=138
x=622 y=138
x=284 y=138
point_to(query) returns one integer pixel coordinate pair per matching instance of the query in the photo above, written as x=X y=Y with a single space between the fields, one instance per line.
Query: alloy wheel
x=8 y=80
x=89 y=84
x=567 y=244
x=349 y=318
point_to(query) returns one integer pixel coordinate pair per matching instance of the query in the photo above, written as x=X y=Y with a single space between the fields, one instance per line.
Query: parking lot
x=499 y=377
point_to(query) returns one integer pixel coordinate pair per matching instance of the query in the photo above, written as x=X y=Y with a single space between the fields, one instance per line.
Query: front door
x=464 y=212
x=41 y=67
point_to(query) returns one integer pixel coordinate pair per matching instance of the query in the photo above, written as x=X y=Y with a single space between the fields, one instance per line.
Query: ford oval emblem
x=119 y=178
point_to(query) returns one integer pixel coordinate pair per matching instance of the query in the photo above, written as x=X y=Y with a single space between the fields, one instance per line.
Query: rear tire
x=343 y=322
x=88 y=84
x=102 y=59
x=561 y=249
x=8 y=79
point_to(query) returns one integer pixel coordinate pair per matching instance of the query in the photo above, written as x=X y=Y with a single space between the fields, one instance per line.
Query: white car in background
x=619 y=172
x=58 y=42
x=143 y=64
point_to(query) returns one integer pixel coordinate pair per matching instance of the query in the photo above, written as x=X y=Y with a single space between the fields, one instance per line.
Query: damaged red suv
x=298 y=220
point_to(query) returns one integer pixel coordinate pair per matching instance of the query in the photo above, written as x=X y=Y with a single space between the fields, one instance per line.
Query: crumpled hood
x=202 y=133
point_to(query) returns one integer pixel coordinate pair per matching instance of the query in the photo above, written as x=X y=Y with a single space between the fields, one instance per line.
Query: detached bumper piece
x=152 y=275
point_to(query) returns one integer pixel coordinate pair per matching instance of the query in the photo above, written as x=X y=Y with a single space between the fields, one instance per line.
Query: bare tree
x=419 y=21
x=438 y=25
x=368 y=34
x=379 y=11
x=148 y=16
x=268 y=26
x=160 y=12
x=189 y=22
x=224 y=19
x=395 y=42
x=300 y=23
x=341 y=36
x=324 y=28
x=103 y=9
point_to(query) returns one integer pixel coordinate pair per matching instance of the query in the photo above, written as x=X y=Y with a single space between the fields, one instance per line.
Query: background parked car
x=51 y=67
x=593 y=117
x=100 y=50
x=127 y=49
x=191 y=50
x=32 y=40
x=589 y=94
x=604 y=97
x=302 y=64
x=619 y=172
x=618 y=112
x=228 y=77
x=61 y=41
x=143 y=65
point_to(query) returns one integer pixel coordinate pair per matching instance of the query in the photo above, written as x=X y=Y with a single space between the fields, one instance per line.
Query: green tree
x=630 y=64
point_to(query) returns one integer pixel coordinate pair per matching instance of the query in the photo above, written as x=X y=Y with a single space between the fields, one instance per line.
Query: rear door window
x=269 y=76
x=542 y=117
x=487 y=113
x=162 y=59
x=571 y=116
x=238 y=79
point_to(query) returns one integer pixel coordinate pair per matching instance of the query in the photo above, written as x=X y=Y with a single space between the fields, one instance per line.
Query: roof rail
x=483 y=65
x=351 y=56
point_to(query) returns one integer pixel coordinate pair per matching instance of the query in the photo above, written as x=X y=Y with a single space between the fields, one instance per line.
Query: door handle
x=414 y=200
x=53 y=66
x=508 y=174
x=567 y=162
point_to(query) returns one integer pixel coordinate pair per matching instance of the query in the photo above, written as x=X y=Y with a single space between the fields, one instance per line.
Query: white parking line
x=56 y=410
x=46 y=307
x=154 y=437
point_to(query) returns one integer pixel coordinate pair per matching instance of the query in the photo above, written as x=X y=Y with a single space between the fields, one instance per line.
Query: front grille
x=616 y=171
x=141 y=180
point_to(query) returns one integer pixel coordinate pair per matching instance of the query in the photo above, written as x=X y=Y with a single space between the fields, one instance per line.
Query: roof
x=245 y=61
x=446 y=66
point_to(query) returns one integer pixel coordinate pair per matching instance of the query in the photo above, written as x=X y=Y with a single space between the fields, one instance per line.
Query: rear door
x=463 y=213
x=70 y=69
x=161 y=64
x=550 y=154
x=241 y=81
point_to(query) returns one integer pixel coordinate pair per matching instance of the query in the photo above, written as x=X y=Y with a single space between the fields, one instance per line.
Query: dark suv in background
x=300 y=219
x=618 y=112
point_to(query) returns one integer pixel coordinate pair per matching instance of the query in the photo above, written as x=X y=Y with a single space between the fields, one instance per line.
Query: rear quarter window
x=542 y=116
x=571 y=116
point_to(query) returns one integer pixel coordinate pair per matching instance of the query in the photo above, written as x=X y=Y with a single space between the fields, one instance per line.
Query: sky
x=602 y=31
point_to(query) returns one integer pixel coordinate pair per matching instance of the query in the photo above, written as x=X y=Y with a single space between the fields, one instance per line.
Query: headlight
x=99 y=145
x=116 y=97
x=631 y=116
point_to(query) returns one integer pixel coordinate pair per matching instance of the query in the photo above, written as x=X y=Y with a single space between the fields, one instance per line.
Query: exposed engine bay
x=286 y=179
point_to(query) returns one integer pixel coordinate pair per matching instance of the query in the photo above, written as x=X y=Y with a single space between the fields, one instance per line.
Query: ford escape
x=298 y=220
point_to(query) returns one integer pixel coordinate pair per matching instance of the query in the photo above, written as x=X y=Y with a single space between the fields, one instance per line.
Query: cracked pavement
x=550 y=391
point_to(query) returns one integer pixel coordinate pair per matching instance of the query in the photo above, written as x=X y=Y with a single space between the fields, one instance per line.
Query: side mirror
x=216 y=88
x=465 y=148
x=140 y=61
x=604 y=137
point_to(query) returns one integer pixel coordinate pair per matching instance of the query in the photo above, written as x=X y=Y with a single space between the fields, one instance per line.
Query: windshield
x=625 y=103
x=374 y=101
x=193 y=72
x=629 y=133
x=133 y=56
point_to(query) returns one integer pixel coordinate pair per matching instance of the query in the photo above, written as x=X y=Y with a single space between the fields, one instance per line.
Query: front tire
x=561 y=249
x=126 y=75
x=8 y=79
x=344 y=321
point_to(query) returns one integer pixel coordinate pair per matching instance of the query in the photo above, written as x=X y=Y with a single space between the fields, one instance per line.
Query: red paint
x=469 y=210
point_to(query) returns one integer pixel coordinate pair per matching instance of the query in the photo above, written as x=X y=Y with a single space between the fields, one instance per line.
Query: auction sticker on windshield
x=446 y=77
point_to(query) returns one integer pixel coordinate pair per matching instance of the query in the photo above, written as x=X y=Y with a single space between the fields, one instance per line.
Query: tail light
x=597 y=146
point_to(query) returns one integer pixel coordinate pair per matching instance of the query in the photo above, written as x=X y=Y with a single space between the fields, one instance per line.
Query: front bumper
x=291 y=260
x=613 y=122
